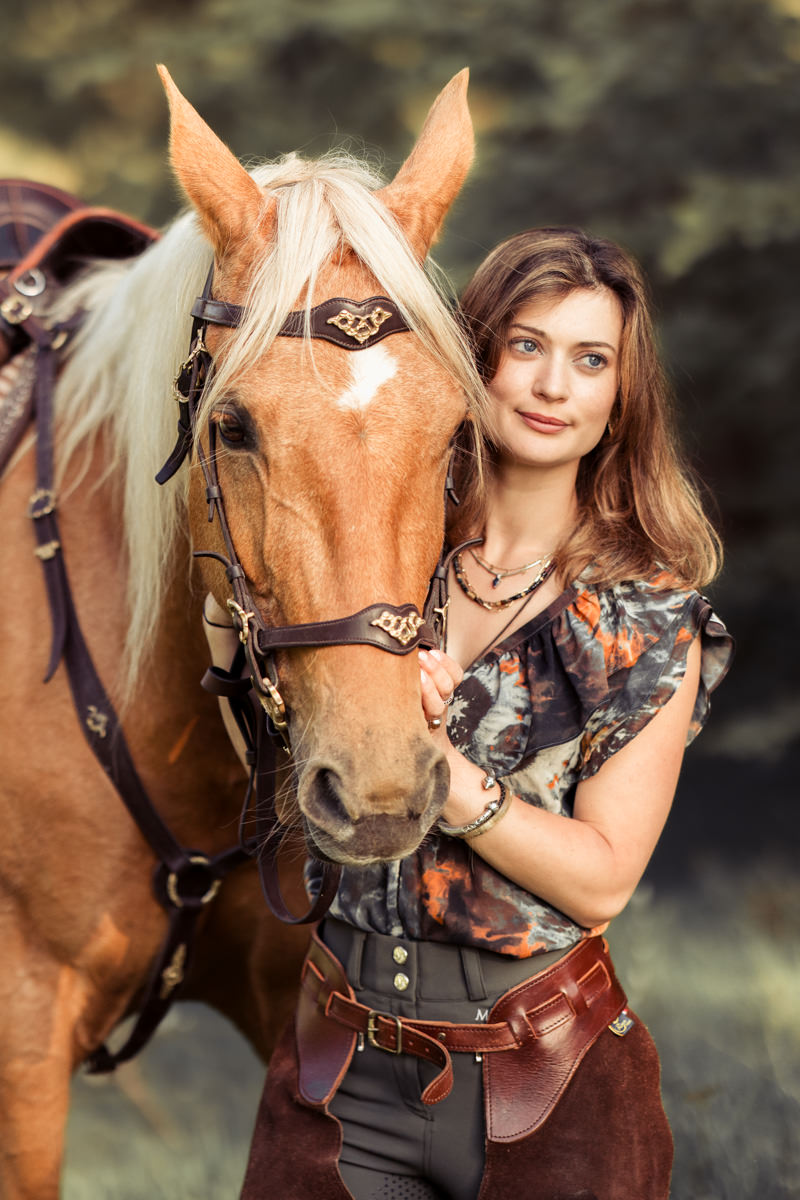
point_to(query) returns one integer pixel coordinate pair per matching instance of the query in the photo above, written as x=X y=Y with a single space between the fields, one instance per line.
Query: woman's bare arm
x=587 y=866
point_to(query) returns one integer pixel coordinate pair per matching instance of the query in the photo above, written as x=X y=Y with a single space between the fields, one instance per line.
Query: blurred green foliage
x=670 y=125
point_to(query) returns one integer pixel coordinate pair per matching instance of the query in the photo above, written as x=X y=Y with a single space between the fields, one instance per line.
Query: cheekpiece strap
x=350 y=324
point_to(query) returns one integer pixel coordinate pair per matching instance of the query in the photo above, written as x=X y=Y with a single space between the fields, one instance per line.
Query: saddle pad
x=16 y=401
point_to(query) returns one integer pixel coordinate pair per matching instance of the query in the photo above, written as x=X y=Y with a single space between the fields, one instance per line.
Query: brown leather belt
x=548 y=1022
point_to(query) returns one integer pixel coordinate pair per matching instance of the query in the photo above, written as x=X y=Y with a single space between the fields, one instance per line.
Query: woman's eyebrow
x=541 y=333
x=607 y=345
x=528 y=329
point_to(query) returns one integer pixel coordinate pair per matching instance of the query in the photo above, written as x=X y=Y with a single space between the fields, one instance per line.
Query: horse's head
x=332 y=461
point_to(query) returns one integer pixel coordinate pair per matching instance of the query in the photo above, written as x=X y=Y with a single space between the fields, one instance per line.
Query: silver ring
x=450 y=699
x=435 y=723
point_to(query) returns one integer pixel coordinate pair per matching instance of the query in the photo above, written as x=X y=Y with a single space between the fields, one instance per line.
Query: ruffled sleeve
x=628 y=646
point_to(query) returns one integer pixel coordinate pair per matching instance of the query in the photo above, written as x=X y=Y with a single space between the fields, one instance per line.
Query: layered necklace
x=499 y=573
x=545 y=564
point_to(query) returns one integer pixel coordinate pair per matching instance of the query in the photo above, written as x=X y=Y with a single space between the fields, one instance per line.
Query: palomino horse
x=332 y=466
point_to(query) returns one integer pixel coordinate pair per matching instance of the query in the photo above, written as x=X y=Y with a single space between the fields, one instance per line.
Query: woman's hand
x=440 y=675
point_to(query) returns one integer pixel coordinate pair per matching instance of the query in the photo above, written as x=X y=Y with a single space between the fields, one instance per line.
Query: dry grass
x=713 y=970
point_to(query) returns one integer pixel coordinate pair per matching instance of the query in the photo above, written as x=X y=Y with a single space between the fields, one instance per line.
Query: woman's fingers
x=439 y=676
x=444 y=670
x=451 y=666
x=434 y=708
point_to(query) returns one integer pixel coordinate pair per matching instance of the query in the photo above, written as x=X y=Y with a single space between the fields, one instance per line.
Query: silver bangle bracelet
x=493 y=812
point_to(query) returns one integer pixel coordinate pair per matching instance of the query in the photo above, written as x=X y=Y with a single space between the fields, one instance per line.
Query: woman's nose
x=550 y=379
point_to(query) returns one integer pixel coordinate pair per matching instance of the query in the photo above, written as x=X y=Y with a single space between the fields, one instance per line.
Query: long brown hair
x=638 y=506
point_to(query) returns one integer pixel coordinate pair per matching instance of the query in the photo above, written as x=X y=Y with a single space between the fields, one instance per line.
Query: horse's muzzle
x=357 y=821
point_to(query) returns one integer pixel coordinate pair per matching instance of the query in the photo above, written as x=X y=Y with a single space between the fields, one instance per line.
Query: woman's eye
x=595 y=361
x=525 y=345
x=230 y=429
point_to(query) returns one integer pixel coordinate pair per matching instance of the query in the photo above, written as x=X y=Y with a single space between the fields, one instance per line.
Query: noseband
x=398 y=629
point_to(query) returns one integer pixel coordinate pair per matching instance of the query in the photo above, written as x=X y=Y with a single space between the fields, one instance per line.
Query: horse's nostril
x=323 y=801
x=433 y=798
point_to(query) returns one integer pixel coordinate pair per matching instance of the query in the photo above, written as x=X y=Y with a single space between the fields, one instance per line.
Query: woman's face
x=557 y=379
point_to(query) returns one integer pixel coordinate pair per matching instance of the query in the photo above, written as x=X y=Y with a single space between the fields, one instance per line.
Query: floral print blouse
x=543 y=709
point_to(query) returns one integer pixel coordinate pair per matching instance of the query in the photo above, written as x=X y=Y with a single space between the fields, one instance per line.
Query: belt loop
x=473 y=973
x=355 y=958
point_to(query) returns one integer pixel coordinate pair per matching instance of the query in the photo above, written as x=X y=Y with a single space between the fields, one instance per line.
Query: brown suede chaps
x=597 y=1132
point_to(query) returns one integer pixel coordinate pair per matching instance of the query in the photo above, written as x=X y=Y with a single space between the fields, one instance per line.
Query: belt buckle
x=372 y=1030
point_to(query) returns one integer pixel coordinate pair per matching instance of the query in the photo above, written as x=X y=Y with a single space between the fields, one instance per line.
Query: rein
x=397 y=629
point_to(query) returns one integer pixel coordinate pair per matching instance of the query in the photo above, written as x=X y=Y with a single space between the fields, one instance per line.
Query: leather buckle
x=373 y=1030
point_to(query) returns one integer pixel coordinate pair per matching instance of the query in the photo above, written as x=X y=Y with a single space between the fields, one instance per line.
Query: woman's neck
x=529 y=512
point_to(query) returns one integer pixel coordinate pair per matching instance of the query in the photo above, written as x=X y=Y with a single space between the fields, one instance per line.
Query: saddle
x=47 y=236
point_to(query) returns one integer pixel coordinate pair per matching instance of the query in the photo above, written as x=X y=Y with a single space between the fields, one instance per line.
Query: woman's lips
x=541 y=423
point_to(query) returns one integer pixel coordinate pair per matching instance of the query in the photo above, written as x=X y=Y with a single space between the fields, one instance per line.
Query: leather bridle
x=397 y=629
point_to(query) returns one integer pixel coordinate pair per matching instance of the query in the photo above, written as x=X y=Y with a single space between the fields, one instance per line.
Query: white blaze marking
x=370 y=370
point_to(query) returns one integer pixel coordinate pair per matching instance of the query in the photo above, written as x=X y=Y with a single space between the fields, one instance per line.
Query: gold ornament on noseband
x=361 y=329
x=402 y=629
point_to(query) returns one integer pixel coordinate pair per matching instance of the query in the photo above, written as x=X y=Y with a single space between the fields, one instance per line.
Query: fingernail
x=437 y=654
x=423 y=677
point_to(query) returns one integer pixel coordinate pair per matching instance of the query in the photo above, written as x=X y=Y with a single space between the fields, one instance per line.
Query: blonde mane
x=118 y=377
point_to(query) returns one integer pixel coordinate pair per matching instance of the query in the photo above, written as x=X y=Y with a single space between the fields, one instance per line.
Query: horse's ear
x=228 y=201
x=431 y=177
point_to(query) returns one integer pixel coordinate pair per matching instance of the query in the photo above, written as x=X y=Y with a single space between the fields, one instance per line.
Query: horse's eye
x=230 y=428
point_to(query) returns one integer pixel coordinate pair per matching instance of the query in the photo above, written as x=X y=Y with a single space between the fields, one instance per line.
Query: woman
x=578 y=664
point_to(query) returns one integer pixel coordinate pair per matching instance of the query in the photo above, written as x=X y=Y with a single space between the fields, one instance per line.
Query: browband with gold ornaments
x=351 y=324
